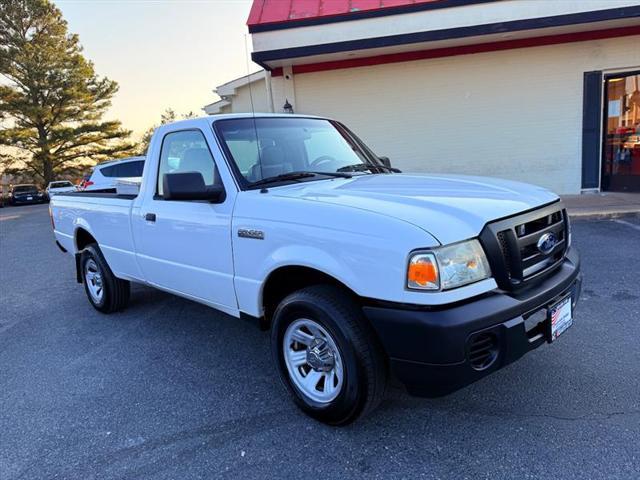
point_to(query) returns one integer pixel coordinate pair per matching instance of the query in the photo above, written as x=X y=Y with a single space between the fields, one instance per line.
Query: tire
x=106 y=292
x=360 y=370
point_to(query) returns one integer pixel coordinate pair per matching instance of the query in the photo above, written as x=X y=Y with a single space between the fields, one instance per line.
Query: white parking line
x=628 y=224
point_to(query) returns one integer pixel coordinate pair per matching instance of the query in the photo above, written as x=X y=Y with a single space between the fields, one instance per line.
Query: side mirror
x=190 y=186
x=387 y=163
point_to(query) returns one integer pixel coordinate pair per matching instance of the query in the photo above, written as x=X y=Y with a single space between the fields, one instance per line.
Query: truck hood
x=449 y=207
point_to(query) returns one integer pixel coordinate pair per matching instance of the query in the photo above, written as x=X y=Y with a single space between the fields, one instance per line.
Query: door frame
x=604 y=184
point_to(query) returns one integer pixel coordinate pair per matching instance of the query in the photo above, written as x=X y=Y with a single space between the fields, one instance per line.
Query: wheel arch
x=286 y=279
x=83 y=237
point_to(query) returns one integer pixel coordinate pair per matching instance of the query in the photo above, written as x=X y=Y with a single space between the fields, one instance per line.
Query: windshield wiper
x=334 y=174
x=283 y=177
x=296 y=176
x=361 y=167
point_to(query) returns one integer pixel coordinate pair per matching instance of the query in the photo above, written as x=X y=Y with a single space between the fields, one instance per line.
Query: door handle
x=150 y=217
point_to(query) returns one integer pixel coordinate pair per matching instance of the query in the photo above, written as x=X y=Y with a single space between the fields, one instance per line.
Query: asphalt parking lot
x=172 y=389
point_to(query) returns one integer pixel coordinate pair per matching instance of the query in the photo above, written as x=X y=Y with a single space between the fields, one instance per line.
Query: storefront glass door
x=621 y=143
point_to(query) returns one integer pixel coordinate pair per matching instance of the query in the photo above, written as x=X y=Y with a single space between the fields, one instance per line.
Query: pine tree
x=168 y=116
x=51 y=100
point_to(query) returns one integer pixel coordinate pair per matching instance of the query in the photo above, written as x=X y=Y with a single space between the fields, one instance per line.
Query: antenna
x=253 y=111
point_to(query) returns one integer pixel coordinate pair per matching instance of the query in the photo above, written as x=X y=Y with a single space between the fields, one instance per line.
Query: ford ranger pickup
x=359 y=271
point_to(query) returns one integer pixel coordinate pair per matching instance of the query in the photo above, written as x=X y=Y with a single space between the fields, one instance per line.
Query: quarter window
x=186 y=151
x=109 y=171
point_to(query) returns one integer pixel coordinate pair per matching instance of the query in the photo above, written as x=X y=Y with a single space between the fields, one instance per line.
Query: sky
x=163 y=53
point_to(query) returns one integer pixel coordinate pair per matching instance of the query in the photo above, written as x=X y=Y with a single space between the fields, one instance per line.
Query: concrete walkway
x=604 y=204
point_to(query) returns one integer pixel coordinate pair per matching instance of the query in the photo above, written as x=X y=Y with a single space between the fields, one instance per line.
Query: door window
x=186 y=151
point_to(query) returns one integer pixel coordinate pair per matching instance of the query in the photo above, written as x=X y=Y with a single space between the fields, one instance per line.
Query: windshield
x=25 y=188
x=61 y=184
x=269 y=147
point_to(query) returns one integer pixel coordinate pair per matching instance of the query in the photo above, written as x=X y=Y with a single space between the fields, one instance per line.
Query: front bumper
x=434 y=351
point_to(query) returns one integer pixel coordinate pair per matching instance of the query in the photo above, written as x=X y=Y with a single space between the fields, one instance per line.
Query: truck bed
x=103 y=215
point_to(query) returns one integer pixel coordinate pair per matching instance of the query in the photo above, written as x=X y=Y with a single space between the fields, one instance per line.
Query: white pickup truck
x=359 y=271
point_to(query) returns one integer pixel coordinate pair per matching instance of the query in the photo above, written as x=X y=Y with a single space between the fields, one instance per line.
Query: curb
x=602 y=215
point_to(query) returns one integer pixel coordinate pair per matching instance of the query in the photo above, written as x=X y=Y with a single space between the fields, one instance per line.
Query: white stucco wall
x=241 y=101
x=237 y=99
x=515 y=114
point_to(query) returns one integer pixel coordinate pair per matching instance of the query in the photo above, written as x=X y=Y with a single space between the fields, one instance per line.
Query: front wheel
x=327 y=355
x=106 y=292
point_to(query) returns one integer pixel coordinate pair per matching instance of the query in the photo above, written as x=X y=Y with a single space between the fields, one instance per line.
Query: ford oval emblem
x=546 y=243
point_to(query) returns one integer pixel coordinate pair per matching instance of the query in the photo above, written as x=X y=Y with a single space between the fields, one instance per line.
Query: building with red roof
x=541 y=91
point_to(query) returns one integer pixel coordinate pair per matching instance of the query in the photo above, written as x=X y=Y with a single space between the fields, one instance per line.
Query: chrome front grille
x=514 y=245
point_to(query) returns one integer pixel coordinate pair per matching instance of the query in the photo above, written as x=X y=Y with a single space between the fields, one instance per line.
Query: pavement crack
x=590 y=416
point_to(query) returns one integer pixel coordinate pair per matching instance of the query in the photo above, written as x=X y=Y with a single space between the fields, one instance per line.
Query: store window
x=621 y=148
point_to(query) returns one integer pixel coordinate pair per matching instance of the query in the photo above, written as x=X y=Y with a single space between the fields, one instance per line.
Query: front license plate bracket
x=560 y=317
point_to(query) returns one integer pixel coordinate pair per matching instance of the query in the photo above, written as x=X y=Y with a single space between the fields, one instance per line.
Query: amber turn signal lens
x=423 y=272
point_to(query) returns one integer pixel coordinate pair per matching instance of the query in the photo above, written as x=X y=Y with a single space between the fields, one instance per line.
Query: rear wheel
x=105 y=291
x=327 y=355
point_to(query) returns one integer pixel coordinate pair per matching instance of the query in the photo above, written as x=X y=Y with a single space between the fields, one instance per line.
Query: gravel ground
x=172 y=389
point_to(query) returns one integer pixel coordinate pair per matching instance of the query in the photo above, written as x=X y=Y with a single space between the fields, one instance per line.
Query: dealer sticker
x=560 y=317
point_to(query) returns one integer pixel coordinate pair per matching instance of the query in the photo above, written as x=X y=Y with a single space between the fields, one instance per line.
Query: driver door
x=185 y=245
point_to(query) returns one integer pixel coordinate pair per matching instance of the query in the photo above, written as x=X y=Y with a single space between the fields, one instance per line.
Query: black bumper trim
x=428 y=349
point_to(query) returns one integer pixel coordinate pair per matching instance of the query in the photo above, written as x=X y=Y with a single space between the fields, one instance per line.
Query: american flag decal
x=561 y=318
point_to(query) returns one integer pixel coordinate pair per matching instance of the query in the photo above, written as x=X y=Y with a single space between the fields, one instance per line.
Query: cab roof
x=208 y=119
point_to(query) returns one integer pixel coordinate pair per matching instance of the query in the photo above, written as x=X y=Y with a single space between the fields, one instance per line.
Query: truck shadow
x=218 y=344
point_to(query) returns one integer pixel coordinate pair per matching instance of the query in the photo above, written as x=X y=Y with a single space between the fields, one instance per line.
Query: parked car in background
x=25 y=194
x=106 y=175
x=61 y=186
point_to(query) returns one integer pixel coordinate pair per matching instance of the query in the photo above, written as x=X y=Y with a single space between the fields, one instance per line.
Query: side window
x=186 y=151
x=130 y=169
x=108 y=171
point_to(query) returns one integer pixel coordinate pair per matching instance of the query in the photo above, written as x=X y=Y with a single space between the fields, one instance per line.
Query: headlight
x=448 y=267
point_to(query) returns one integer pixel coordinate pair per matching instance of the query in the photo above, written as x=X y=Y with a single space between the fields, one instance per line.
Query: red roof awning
x=268 y=14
